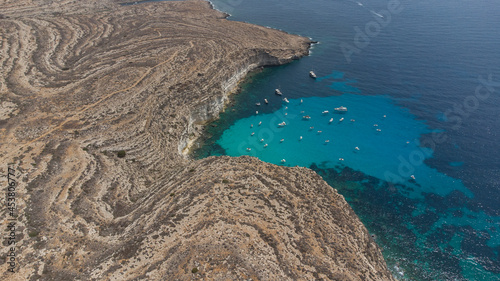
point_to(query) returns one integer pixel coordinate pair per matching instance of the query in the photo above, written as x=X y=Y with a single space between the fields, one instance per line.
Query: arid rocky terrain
x=98 y=106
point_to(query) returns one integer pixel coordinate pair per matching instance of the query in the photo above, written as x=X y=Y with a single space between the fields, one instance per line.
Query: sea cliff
x=98 y=103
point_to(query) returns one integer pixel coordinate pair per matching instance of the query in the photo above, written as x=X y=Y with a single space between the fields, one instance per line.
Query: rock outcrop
x=99 y=102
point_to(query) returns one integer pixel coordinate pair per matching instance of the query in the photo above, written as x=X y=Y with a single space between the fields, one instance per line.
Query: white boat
x=341 y=159
x=282 y=140
x=300 y=138
x=306 y=117
x=257 y=104
x=378 y=130
x=261 y=140
x=412 y=177
x=286 y=100
x=356 y=148
x=252 y=134
x=249 y=149
x=331 y=120
x=282 y=124
x=327 y=141
x=301 y=101
x=265 y=145
x=312 y=74
x=260 y=123
x=319 y=132
x=283 y=160
x=256 y=112
x=341 y=119
x=265 y=100
x=375 y=125
x=341 y=109
x=278 y=92
x=325 y=112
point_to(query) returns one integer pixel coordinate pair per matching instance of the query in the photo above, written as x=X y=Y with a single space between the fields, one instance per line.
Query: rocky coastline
x=99 y=103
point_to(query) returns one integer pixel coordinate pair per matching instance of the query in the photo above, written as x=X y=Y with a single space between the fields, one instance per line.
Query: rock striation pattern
x=98 y=106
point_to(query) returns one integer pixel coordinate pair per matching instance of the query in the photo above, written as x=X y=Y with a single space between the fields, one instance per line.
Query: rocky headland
x=98 y=106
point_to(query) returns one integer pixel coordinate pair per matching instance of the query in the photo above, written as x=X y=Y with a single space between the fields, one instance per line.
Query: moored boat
x=340 y=109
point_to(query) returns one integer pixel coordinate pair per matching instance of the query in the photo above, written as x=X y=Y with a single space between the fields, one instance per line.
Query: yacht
x=341 y=109
x=278 y=92
x=312 y=74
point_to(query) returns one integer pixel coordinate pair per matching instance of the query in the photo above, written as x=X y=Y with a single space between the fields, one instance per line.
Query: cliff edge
x=98 y=104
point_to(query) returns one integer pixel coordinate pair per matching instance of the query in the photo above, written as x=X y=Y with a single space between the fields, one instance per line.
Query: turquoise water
x=386 y=135
x=421 y=71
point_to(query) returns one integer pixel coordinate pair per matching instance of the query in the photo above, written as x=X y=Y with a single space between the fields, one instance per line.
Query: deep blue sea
x=417 y=154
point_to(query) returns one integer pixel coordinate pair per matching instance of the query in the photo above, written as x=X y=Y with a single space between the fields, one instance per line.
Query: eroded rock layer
x=98 y=105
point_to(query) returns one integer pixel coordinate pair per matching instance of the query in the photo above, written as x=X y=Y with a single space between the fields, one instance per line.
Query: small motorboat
x=282 y=140
x=341 y=159
x=282 y=124
x=306 y=117
x=265 y=100
x=356 y=148
x=251 y=125
x=412 y=177
x=249 y=149
x=310 y=128
x=301 y=101
x=331 y=120
x=327 y=141
x=325 y=112
x=319 y=132
x=261 y=140
x=256 y=112
x=285 y=100
x=283 y=160
x=312 y=74
x=260 y=123
x=252 y=134
x=300 y=138
x=341 y=119
x=378 y=130
x=257 y=104
x=375 y=125
x=265 y=145
x=340 y=109
x=278 y=92
x=352 y=120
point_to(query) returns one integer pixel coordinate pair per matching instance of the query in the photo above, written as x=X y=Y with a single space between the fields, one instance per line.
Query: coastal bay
x=100 y=103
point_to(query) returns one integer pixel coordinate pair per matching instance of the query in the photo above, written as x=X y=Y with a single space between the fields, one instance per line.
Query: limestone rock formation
x=98 y=105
